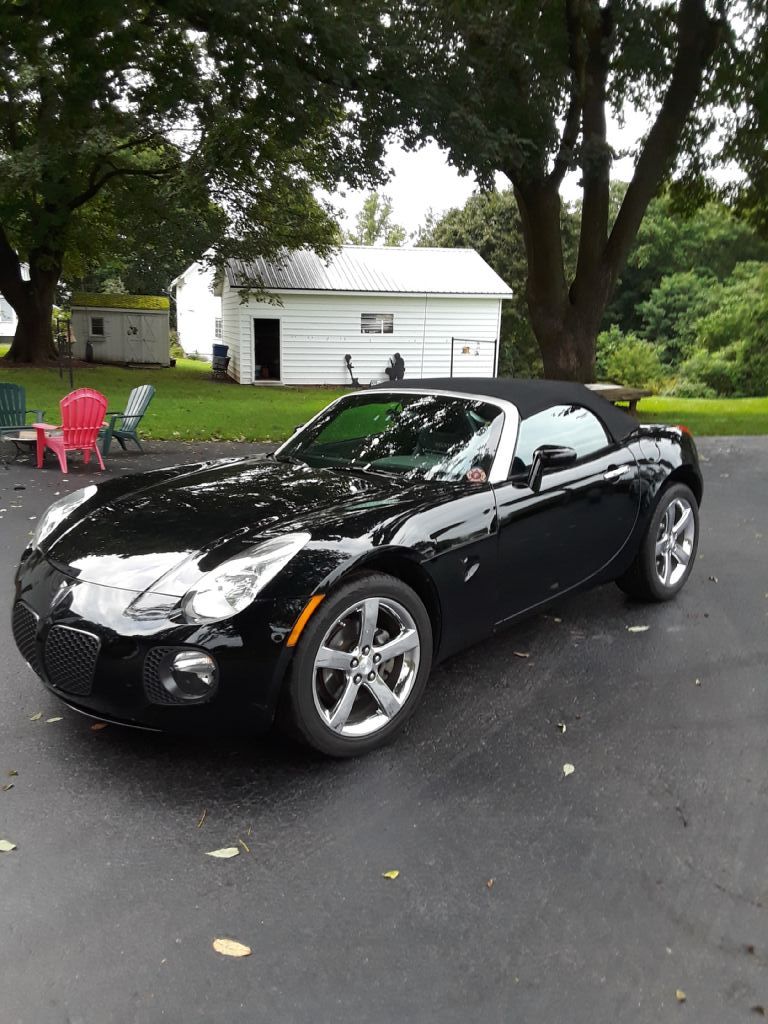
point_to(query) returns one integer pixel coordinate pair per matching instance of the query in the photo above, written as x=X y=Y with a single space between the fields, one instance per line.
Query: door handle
x=616 y=473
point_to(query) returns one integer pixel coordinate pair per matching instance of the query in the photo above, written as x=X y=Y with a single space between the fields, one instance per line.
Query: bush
x=627 y=359
x=177 y=352
x=684 y=387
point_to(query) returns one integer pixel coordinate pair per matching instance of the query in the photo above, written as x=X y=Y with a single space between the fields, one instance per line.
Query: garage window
x=217 y=327
x=97 y=326
x=377 y=323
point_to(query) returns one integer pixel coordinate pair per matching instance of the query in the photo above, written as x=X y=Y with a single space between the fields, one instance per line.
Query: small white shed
x=120 y=328
x=440 y=309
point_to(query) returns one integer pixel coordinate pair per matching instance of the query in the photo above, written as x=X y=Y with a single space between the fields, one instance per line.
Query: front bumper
x=95 y=647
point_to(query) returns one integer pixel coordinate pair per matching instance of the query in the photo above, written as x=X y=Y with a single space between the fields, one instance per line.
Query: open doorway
x=266 y=349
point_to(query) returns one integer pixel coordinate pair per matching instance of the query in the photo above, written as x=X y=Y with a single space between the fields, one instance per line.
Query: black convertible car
x=320 y=584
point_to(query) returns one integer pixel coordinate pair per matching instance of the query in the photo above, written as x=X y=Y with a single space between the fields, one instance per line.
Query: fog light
x=193 y=674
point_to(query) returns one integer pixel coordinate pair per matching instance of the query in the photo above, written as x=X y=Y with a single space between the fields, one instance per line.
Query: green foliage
x=707 y=243
x=109 y=111
x=374 y=224
x=670 y=315
x=731 y=356
x=102 y=300
x=628 y=359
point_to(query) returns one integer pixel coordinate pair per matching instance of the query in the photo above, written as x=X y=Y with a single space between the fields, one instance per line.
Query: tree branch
x=96 y=183
x=698 y=37
x=595 y=156
x=572 y=123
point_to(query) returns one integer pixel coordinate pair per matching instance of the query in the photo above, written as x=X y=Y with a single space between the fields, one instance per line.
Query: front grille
x=70 y=659
x=154 y=689
x=24 y=626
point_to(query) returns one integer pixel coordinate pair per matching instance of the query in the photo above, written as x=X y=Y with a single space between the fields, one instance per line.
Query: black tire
x=301 y=712
x=642 y=580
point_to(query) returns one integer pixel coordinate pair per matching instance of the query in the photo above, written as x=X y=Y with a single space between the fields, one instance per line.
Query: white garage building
x=439 y=308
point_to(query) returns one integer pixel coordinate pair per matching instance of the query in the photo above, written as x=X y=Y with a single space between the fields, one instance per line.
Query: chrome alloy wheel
x=366 y=667
x=674 y=542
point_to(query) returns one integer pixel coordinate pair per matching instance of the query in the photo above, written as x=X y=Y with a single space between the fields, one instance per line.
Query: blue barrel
x=220 y=350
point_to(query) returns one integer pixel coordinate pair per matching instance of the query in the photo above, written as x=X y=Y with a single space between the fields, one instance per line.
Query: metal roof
x=379 y=269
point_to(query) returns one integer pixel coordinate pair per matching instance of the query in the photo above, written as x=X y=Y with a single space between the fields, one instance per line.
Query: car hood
x=162 y=535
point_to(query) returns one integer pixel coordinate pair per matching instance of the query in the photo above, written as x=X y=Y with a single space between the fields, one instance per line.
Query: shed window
x=97 y=326
x=377 y=323
x=217 y=327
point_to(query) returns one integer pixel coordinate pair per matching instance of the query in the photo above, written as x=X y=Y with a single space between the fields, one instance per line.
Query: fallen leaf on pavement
x=680 y=996
x=202 y=818
x=713 y=579
x=390 y=874
x=224 y=853
x=228 y=947
x=98 y=726
x=556 y=619
x=760 y=1010
x=521 y=654
x=489 y=884
x=637 y=629
x=36 y=717
x=6 y=846
x=7 y=786
x=56 y=718
x=244 y=845
x=568 y=769
x=697 y=682
x=561 y=726
x=12 y=773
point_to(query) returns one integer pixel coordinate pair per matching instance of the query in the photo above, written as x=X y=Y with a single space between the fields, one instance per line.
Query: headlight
x=231 y=587
x=58 y=512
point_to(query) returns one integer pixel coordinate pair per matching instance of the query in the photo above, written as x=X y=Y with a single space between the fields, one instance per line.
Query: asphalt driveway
x=523 y=895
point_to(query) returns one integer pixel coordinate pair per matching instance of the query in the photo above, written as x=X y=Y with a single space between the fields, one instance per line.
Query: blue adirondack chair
x=138 y=400
x=13 y=408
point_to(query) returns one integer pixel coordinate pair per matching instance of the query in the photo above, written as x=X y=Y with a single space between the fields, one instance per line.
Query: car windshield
x=433 y=437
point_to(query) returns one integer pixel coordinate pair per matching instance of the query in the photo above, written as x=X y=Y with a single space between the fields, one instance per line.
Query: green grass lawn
x=190 y=405
x=705 y=416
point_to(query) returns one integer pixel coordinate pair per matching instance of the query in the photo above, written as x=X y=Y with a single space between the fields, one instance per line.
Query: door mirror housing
x=549 y=456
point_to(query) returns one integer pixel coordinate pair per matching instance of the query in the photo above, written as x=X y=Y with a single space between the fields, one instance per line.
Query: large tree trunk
x=32 y=301
x=568 y=350
x=566 y=319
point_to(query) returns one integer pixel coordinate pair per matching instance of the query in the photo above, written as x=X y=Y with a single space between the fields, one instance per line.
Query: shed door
x=266 y=349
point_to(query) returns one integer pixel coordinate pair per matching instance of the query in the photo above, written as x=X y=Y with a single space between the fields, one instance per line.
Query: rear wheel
x=668 y=550
x=361 y=666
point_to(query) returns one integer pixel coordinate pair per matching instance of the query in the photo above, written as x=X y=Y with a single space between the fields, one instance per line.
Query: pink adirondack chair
x=82 y=416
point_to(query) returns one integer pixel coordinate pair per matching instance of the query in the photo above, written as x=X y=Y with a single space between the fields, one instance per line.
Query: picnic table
x=617 y=393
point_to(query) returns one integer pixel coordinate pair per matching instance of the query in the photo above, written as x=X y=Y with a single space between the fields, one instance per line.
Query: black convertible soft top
x=529 y=396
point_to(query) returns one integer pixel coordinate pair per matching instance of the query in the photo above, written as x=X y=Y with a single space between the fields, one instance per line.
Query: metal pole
x=69 y=351
x=453 y=340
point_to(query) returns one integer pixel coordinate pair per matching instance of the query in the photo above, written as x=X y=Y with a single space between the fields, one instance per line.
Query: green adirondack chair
x=138 y=400
x=13 y=408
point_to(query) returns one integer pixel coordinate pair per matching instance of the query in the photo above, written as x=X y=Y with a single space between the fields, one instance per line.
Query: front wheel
x=361 y=666
x=668 y=549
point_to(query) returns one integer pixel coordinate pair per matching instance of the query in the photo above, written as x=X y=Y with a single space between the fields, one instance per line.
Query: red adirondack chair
x=82 y=416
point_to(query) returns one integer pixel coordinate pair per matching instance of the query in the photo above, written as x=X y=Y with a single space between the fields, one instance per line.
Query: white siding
x=197 y=309
x=318 y=329
x=8 y=319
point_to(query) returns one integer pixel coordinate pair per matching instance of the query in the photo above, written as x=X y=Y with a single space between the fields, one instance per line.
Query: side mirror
x=548 y=456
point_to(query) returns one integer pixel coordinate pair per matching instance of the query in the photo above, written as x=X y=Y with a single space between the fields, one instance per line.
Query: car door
x=560 y=536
